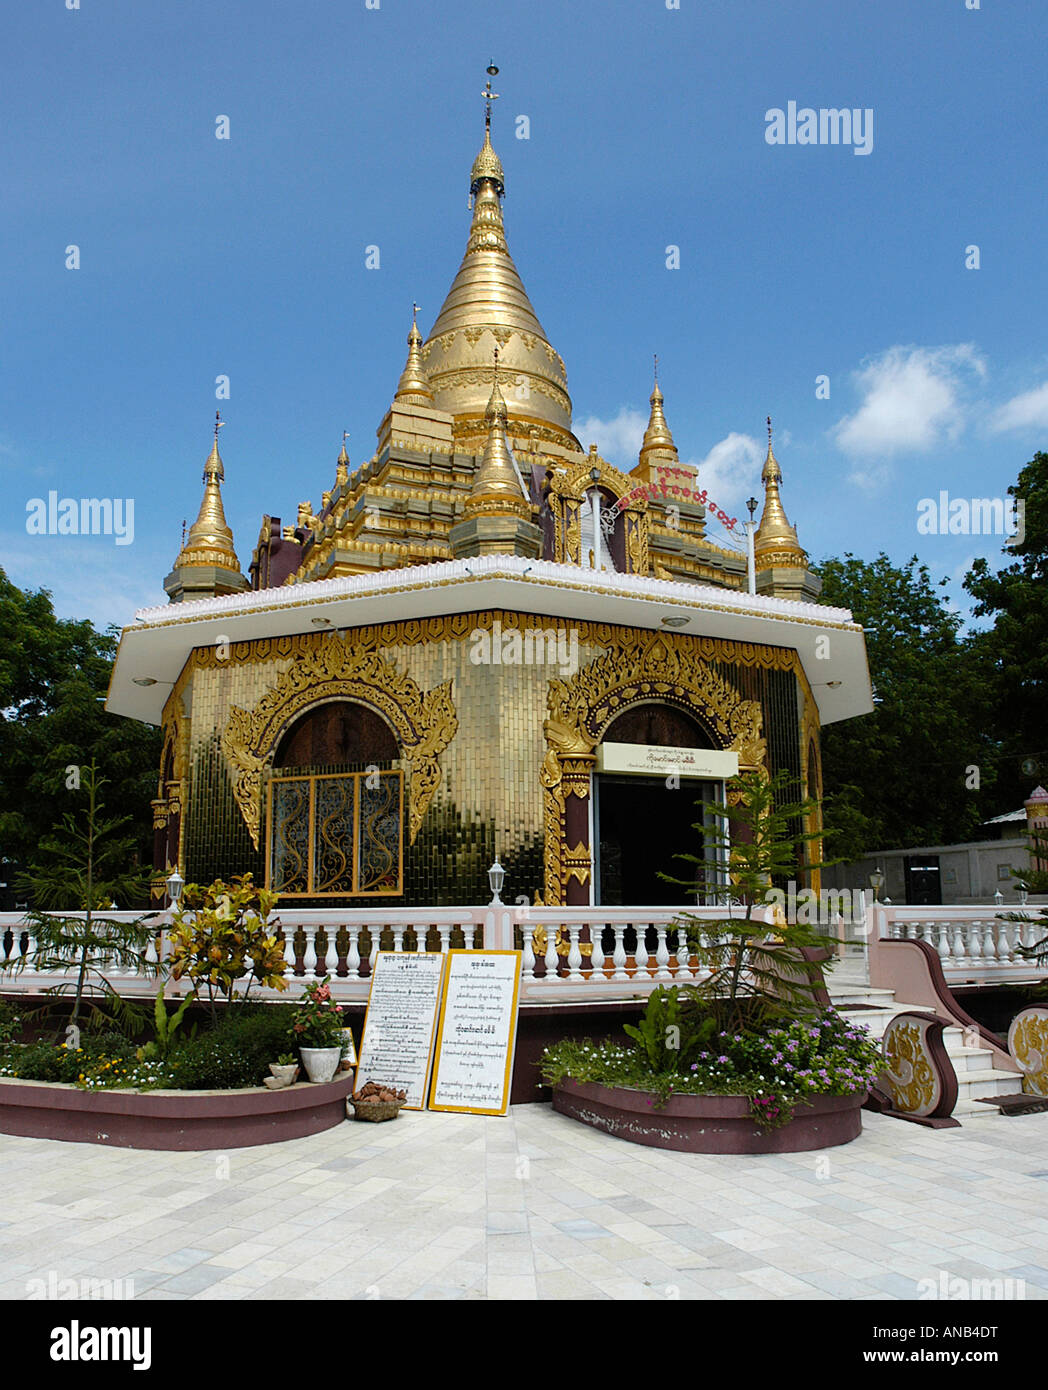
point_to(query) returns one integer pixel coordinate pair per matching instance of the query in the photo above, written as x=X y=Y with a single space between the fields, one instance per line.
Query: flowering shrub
x=221 y=936
x=317 y=1019
x=778 y=1068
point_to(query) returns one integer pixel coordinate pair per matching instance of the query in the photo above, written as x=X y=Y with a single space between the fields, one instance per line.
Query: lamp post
x=496 y=878
x=998 y=897
x=877 y=883
x=175 y=884
x=751 y=526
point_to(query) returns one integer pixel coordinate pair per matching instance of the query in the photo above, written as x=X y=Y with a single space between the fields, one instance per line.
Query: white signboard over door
x=400 y=1023
x=713 y=764
x=478 y=1032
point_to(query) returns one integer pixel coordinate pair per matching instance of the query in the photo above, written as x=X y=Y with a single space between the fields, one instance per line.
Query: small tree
x=84 y=866
x=753 y=978
x=1034 y=881
x=220 y=935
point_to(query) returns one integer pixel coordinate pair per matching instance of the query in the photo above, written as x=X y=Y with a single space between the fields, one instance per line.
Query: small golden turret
x=207 y=564
x=413 y=387
x=342 y=463
x=775 y=542
x=497 y=488
x=657 y=447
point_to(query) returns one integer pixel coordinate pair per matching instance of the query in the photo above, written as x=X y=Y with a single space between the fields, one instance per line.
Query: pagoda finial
x=213 y=465
x=774 y=534
x=497 y=488
x=658 y=446
x=208 y=549
x=413 y=387
x=342 y=463
x=489 y=96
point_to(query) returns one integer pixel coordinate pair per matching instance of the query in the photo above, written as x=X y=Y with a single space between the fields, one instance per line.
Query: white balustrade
x=353 y=954
x=683 y=954
x=619 y=956
x=528 y=962
x=662 y=954
x=574 y=956
x=551 y=952
x=640 y=955
x=596 y=934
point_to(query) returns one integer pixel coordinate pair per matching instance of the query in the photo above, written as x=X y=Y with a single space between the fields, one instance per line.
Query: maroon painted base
x=174 y=1120
x=708 y=1124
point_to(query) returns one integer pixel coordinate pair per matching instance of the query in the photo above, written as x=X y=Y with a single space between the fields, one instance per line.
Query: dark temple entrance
x=640 y=822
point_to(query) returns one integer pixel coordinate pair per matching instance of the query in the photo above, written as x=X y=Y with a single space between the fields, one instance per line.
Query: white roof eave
x=830 y=645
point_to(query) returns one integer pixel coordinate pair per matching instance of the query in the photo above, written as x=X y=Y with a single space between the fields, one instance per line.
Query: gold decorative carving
x=424 y=723
x=1028 y=1043
x=909 y=1069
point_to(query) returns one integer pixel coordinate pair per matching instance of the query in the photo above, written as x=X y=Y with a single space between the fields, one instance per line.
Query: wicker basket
x=376 y=1110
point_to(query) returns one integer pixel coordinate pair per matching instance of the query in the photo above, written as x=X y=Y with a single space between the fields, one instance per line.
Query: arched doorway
x=641 y=821
x=335 y=807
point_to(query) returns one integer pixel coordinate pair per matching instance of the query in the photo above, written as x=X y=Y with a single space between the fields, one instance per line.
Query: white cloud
x=618 y=440
x=1028 y=411
x=913 y=399
x=731 y=470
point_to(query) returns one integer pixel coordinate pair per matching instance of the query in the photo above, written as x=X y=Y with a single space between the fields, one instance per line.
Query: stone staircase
x=875 y=1008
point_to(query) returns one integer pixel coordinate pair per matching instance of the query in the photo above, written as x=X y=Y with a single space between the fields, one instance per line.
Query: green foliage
x=897 y=777
x=1014 y=653
x=83 y=866
x=756 y=972
x=666 y=1036
x=101 y=1058
x=166 y=1026
x=317 y=1020
x=235 y=1052
x=220 y=936
x=10 y=1024
x=779 y=1069
x=52 y=673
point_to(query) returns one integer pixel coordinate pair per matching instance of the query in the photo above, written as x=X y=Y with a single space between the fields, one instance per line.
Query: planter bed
x=174 y=1120
x=708 y=1124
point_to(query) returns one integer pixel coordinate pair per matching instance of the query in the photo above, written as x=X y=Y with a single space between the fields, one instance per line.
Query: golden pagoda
x=207 y=564
x=483 y=642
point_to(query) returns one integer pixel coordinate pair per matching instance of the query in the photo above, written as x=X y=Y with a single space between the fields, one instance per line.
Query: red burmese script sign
x=668 y=490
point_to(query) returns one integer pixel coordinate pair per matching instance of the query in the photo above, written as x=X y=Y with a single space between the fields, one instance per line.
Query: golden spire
x=210 y=541
x=658 y=446
x=487 y=305
x=775 y=540
x=342 y=463
x=413 y=387
x=497 y=488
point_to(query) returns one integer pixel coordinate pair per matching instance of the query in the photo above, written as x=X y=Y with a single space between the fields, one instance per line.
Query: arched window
x=336 y=806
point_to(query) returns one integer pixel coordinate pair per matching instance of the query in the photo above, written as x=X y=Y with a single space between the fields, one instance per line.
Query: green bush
x=50 y=1061
x=10 y=1024
x=235 y=1052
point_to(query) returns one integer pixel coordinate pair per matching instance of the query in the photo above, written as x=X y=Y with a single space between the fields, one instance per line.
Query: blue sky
x=352 y=126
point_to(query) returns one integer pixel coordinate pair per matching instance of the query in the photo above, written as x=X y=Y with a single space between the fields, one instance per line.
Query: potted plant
x=317 y=1028
x=750 y=1059
x=284 y=1072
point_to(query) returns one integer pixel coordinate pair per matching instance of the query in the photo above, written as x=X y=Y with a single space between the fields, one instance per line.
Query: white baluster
x=943 y=944
x=618 y=958
x=376 y=943
x=398 y=939
x=151 y=953
x=353 y=955
x=309 y=964
x=1005 y=953
x=974 y=941
x=662 y=954
x=596 y=932
x=574 y=955
x=468 y=928
x=683 y=954
x=528 y=965
x=551 y=952
x=641 y=953
x=989 y=945
x=958 y=952
x=289 y=951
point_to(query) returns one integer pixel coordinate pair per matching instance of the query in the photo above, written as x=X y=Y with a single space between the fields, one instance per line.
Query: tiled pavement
x=445 y=1206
